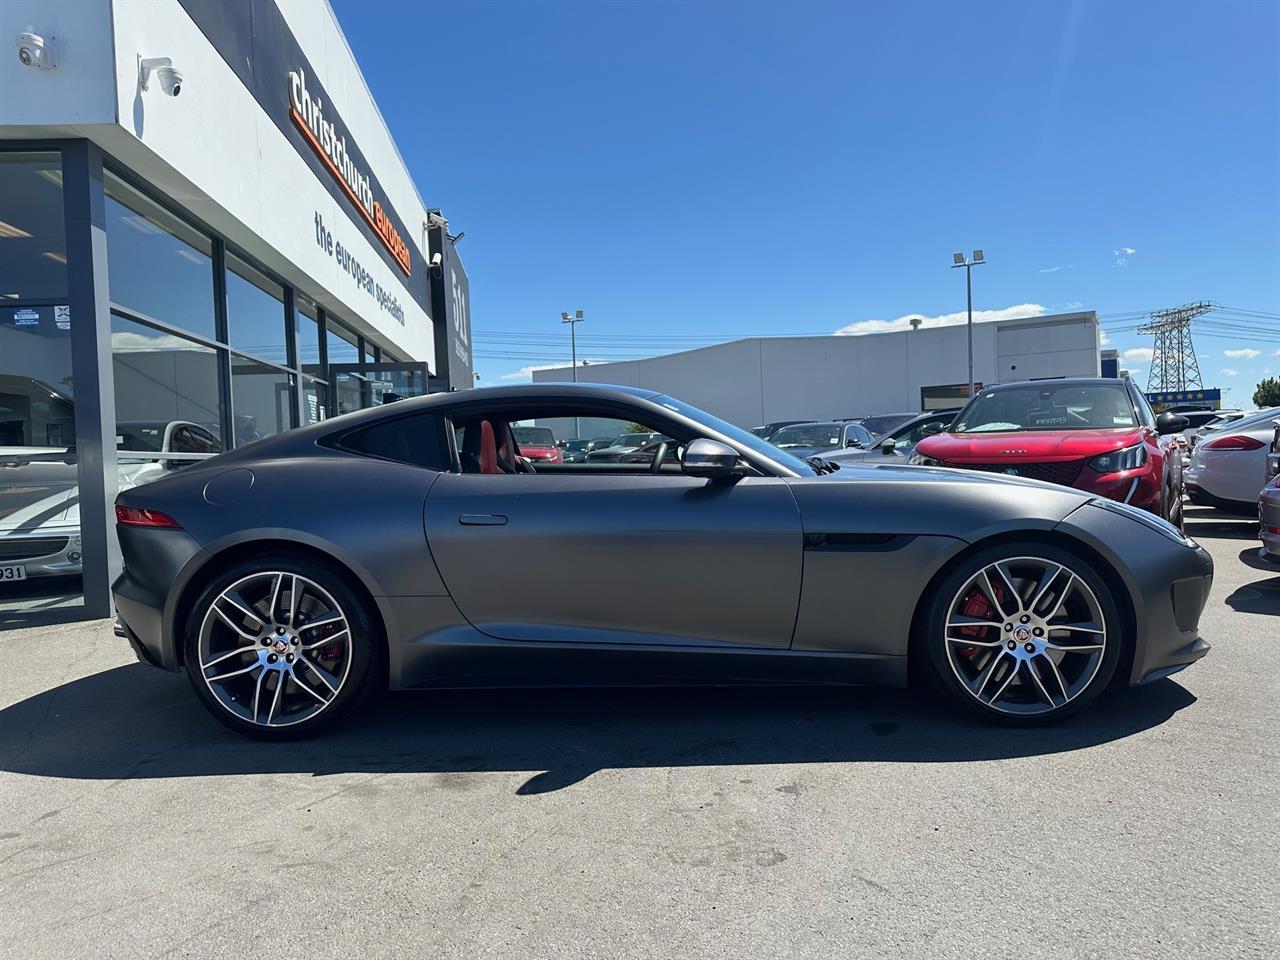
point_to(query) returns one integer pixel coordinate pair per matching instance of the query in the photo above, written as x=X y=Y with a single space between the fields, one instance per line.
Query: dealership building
x=764 y=379
x=207 y=236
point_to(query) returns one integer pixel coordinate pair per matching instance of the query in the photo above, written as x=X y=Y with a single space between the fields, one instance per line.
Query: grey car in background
x=821 y=437
x=411 y=545
x=899 y=443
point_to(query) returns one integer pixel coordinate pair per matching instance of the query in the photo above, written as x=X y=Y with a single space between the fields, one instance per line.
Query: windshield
x=632 y=440
x=1048 y=407
x=139 y=437
x=807 y=435
x=883 y=424
x=740 y=438
x=576 y=444
x=537 y=436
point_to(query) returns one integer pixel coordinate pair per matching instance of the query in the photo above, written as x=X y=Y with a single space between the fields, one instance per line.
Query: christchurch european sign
x=330 y=144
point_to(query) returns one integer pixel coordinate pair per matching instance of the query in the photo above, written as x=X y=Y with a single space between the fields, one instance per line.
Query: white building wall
x=755 y=381
x=213 y=150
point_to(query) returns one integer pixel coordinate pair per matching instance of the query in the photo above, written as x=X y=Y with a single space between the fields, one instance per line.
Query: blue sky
x=717 y=169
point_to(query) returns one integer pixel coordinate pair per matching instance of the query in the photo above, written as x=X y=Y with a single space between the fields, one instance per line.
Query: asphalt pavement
x=691 y=823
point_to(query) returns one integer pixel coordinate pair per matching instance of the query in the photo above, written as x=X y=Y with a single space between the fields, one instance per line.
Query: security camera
x=437 y=265
x=170 y=77
x=34 y=50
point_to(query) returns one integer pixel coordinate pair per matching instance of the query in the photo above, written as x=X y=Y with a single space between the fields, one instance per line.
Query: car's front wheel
x=1022 y=633
x=278 y=647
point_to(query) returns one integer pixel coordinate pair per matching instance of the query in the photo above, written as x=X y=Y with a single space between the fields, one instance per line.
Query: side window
x=1145 y=415
x=554 y=441
x=418 y=439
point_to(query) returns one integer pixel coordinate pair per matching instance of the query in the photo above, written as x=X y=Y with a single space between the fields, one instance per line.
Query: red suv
x=1094 y=434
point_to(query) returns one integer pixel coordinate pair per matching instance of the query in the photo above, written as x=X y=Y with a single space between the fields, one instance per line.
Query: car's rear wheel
x=280 y=647
x=1023 y=634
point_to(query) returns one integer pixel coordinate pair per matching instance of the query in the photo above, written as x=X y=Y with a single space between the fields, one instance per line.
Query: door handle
x=482 y=519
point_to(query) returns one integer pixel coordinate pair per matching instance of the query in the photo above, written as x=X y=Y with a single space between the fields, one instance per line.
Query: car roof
x=1058 y=382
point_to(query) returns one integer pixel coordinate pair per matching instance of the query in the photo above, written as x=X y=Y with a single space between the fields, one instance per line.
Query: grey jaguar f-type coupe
x=411 y=546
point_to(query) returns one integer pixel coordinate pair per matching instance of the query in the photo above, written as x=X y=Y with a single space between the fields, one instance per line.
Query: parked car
x=575 y=451
x=1095 y=434
x=649 y=452
x=623 y=444
x=883 y=423
x=40 y=534
x=537 y=444
x=821 y=437
x=901 y=442
x=1269 y=518
x=769 y=429
x=288 y=601
x=1229 y=466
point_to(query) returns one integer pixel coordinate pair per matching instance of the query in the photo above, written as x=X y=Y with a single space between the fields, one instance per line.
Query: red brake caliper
x=977 y=605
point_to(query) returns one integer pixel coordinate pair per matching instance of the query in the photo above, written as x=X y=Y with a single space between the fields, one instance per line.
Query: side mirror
x=1168 y=423
x=709 y=458
x=851 y=442
x=889 y=447
x=931 y=429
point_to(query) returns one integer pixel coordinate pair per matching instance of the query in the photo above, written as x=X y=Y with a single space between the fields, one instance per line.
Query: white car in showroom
x=39 y=502
x=1229 y=466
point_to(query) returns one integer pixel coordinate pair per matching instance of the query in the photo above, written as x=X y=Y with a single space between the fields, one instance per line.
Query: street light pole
x=960 y=260
x=573 y=322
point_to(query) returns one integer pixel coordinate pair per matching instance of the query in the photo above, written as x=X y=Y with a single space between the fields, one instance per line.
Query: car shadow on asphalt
x=1261 y=596
x=134 y=722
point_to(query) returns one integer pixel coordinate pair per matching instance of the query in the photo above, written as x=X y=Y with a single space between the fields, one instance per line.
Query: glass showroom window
x=261 y=399
x=39 y=521
x=33 y=247
x=255 y=313
x=342 y=344
x=315 y=388
x=159 y=266
x=163 y=381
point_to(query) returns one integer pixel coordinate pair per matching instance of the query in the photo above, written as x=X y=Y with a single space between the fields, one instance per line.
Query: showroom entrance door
x=356 y=386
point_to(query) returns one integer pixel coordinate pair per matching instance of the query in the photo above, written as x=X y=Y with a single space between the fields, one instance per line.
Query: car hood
x=895 y=498
x=1013 y=446
x=537 y=450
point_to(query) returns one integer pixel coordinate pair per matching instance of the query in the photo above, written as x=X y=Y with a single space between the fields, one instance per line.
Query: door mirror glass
x=1171 y=423
x=931 y=429
x=709 y=458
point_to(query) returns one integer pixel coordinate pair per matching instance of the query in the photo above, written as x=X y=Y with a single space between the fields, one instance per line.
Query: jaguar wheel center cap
x=1021 y=633
x=280 y=645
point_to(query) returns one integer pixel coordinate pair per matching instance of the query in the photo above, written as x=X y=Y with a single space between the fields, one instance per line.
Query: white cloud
x=941 y=320
x=1244 y=353
x=1074 y=304
x=1061 y=266
x=1277 y=352
x=1229 y=372
x=1139 y=354
x=1103 y=339
x=526 y=373
x=1122 y=255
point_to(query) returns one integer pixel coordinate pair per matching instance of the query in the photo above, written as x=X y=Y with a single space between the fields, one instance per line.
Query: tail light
x=142 y=517
x=1235 y=442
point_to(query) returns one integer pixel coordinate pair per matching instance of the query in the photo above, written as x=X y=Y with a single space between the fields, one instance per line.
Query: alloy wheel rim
x=275 y=649
x=1025 y=636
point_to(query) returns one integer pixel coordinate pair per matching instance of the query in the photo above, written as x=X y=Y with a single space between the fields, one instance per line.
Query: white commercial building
x=763 y=379
x=207 y=235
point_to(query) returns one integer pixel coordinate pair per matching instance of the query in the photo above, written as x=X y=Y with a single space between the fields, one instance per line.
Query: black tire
x=947 y=674
x=364 y=655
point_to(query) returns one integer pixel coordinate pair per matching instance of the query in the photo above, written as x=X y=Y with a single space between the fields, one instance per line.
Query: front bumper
x=1168 y=583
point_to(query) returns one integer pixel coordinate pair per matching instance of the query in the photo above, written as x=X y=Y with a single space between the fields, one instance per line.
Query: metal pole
x=573 y=346
x=968 y=283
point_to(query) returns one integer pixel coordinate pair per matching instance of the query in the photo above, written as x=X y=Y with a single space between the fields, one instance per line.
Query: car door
x=651 y=559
